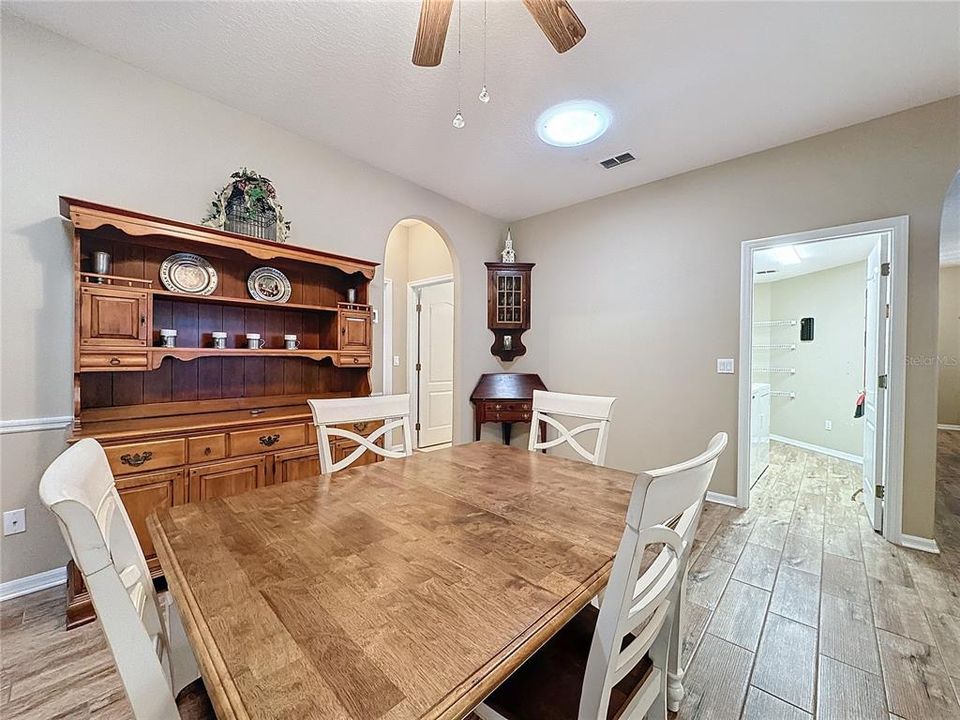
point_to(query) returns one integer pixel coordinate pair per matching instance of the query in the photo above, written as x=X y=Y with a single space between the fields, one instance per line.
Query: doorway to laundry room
x=817 y=338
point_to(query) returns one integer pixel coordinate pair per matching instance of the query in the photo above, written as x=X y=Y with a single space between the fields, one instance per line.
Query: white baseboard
x=32 y=583
x=721 y=499
x=944 y=426
x=819 y=449
x=915 y=542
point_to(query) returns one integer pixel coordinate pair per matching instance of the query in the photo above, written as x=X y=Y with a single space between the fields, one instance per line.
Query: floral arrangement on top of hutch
x=195 y=352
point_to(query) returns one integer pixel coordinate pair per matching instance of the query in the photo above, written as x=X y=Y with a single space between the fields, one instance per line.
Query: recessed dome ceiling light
x=573 y=123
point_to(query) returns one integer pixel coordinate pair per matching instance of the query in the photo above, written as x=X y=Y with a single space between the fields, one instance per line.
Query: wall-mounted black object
x=806 y=329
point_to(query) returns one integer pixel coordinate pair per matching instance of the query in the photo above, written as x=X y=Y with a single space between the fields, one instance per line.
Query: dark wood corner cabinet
x=508 y=307
x=195 y=422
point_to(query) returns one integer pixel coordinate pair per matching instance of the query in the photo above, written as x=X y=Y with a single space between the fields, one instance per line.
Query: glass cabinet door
x=509 y=298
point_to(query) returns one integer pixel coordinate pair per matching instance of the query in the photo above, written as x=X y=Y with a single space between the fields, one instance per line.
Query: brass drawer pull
x=114 y=361
x=207 y=450
x=526 y=416
x=268 y=440
x=497 y=406
x=356 y=359
x=137 y=459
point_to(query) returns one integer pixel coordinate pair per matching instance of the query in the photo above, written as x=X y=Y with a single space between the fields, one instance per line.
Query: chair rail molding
x=59 y=422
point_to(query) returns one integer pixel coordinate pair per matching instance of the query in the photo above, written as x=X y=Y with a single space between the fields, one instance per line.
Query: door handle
x=136 y=460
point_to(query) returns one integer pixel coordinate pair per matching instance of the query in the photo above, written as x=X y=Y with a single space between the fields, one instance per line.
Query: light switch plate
x=396 y=361
x=828 y=424
x=14 y=521
x=725 y=366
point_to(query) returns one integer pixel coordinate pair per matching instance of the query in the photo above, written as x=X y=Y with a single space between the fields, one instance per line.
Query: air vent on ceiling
x=617 y=160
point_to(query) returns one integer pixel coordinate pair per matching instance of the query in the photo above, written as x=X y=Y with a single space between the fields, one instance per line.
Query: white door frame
x=413 y=347
x=387 y=343
x=896 y=399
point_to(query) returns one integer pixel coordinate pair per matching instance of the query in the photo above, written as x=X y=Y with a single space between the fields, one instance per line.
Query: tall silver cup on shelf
x=101 y=264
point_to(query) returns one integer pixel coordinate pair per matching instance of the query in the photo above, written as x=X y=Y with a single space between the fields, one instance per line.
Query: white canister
x=254 y=342
x=219 y=340
x=168 y=338
x=290 y=342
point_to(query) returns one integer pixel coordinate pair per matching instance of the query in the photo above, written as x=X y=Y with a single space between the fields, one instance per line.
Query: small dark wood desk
x=505 y=398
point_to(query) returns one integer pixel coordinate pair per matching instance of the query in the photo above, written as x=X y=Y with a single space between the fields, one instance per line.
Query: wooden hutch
x=194 y=422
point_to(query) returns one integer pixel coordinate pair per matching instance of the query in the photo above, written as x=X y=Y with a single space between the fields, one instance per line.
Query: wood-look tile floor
x=795 y=609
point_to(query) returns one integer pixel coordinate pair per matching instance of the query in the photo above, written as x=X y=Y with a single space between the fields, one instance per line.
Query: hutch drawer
x=352 y=359
x=267 y=438
x=148 y=455
x=207 y=447
x=112 y=361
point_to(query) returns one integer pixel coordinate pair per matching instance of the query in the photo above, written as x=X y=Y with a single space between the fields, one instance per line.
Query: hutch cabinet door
x=355 y=330
x=296 y=465
x=109 y=316
x=226 y=478
x=510 y=298
x=144 y=494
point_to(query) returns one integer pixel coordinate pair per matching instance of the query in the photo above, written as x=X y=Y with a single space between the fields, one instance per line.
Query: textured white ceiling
x=814 y=257
x=690 y=84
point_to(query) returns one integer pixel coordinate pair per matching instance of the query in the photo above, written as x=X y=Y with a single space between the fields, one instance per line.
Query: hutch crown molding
x=194 y=422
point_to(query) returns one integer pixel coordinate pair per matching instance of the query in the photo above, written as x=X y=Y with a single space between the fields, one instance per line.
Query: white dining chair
x=143 y=630
x=595 y=409
x=613 y=663
x=329 y=413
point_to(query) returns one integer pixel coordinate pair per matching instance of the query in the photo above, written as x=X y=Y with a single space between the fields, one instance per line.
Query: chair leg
x=183 y=663
x=674 y=672
x=659 y=655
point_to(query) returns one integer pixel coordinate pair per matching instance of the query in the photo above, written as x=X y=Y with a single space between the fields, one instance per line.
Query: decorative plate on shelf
x=269 y=284
x=188 y=273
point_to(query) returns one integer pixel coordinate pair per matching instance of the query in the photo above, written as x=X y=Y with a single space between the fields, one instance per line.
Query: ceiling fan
x=556 y=19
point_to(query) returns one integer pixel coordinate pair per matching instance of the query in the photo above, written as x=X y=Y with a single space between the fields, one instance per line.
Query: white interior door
x=435 y=357
x=874 y=441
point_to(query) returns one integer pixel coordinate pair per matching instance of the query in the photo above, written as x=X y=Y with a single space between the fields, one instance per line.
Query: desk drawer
x=509 y=406
x=144 y=456
x=509 y=416
x=350 y=359
x=266 y=439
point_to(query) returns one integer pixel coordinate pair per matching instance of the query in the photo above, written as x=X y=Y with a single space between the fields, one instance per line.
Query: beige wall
x=414 y=252
x=830 y=368
x=76 y=122
x=948 y=397
x=636 y=294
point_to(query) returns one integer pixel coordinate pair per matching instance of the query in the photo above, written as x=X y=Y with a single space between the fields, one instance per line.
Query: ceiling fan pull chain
x=484 y=96
x=458 y=121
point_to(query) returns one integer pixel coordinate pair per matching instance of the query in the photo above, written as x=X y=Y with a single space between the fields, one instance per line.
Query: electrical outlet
x=725 y=366
x=14 y=521
x=828 y=424
x=396 y=361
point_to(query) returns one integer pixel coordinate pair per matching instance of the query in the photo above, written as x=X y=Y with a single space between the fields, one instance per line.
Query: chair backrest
x=636 y=604
x=79 y=488
x=595 y=409
x=327 y=414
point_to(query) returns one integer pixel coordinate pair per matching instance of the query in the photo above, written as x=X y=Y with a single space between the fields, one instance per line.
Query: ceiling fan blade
x=558 y=21
x=431 y=32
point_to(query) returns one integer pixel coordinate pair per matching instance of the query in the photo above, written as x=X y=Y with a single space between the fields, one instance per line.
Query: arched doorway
x=420 y=327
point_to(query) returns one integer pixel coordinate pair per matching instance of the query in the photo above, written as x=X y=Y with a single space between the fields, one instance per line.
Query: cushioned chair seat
x=548 y=685
x=193 y=703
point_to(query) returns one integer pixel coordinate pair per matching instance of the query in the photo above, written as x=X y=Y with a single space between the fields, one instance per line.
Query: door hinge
x=888 y=311
x=885 y=269
x=417 y=427
x=881 y=492
x=419 y=307
x=419 y=367
x=882 y=382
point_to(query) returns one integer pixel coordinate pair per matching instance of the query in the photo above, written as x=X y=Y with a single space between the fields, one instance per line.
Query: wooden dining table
x=409 y=588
